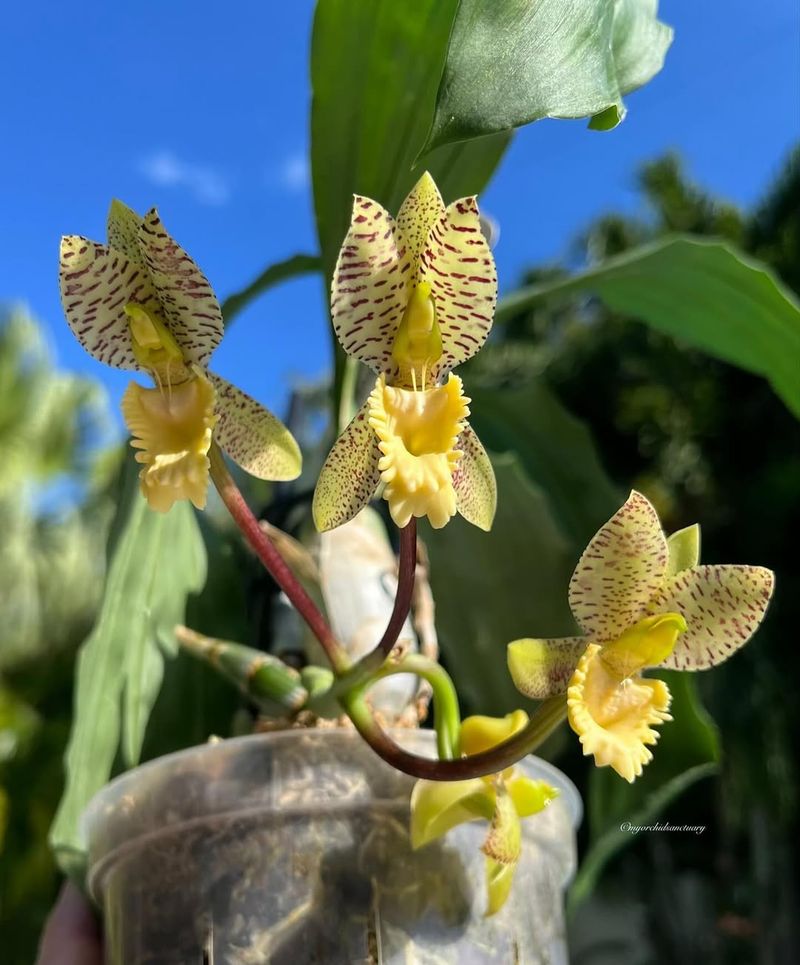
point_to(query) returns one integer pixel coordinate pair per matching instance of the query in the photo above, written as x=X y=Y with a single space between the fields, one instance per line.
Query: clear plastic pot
x=292 y=847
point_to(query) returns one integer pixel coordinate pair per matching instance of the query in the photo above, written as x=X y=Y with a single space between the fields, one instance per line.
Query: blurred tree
x=706 y=442
x=55 y=505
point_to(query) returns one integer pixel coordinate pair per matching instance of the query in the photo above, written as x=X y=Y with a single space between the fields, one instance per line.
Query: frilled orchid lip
x=417 y=435
x=172 y=427
x=613 y=715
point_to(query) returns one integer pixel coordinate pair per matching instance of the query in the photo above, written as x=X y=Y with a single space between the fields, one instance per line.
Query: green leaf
x=705 y=293
x=155 y=561
x=515 y=578
x=557 y=453
x=375 y=70
x=272 y=275
x=687 y=751
x=513 y=62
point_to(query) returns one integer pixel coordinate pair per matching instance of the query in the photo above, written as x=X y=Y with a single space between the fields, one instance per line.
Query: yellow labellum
x=611 y=707
x=172 y=427
x=417 y=433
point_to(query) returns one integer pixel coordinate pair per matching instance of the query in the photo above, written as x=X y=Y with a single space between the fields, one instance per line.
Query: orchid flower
x=500 y=799
x=412 y=298
x=140 y=302
x=642 y=601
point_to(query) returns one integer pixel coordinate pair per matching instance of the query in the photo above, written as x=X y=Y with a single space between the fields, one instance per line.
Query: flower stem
x=273 y=561
x=547 y=717
x=372 y=662
x=447 y=717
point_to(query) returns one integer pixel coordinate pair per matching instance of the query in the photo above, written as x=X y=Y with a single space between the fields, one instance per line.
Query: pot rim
x=416 y=739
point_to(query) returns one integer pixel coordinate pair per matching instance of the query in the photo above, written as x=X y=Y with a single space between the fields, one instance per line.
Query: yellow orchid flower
x=140 y=302
x=500 y=799
x=412 y=298
x=642 y=601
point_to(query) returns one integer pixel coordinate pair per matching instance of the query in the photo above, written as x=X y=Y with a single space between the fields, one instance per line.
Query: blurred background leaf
x=705 y=293
x=155 y=561
x=513 y=62
x=555 y=450
x=56 y=501
x=272 y=275
x=514 y=577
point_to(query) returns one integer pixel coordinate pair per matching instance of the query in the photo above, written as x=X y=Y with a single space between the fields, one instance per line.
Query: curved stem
x=372 y=662
x=447 y=716
x=273 y=561
x=547 y=717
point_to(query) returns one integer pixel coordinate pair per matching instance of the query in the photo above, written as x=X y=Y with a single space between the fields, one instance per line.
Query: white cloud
x=167 y=170
x=295 y=172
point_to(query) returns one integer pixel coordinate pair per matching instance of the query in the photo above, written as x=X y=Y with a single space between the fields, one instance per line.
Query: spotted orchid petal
x=457 y=263
x=474 y=482
x=722 y=606
x=369 y=291
x=188 y=303
x=96 y=284
x=542 y=668
x=350 y=475
x=439 y=806
x=252 y=436
x=417 y=215
x=122 y=226
x=683 y=547
x=620 y=571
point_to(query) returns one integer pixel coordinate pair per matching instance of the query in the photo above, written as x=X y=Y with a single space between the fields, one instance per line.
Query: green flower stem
x=265 y=550
x=548 y=716
x=274 y=686
x=446 y=710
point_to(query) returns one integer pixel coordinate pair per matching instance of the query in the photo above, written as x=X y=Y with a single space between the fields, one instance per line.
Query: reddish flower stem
x=548 y=716
x=264 y=548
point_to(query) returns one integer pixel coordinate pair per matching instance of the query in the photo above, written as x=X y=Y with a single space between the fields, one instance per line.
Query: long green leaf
x=375 y=70
x=556 y=451
x=687 y=751
x=515 y=61
x=155 y=561
x=552 y=496
x=515 y=579
x=705 y=293
x=272 y=275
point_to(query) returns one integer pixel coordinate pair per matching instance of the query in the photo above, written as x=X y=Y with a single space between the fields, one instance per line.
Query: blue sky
x=202 y=109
